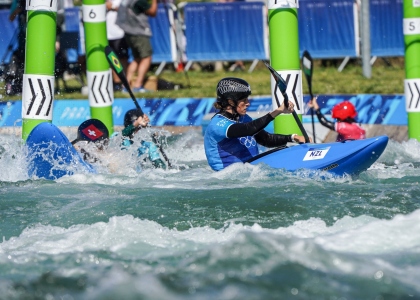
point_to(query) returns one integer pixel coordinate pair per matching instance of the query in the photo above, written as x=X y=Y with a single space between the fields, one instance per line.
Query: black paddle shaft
x=308 y=67
x=115 y=64
x=283 y=87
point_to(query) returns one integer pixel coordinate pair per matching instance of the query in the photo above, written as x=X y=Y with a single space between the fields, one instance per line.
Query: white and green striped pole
x=412 y=66
x=38 y=78
x=284 y=55
x=99 y=76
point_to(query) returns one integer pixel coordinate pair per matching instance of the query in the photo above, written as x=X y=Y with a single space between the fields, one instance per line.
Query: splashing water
x=247 y=232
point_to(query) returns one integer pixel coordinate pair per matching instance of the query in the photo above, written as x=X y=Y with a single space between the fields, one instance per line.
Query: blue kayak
x=51 y=155
x=348 y=157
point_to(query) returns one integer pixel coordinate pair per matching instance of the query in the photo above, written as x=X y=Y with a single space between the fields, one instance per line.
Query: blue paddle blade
x=279 y=80
x=281 y=84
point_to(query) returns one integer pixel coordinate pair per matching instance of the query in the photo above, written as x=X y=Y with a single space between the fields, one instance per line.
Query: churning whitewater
x=247 y=232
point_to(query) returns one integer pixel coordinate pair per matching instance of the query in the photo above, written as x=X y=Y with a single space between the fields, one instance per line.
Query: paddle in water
x=116 y=65
x=308 y=67
x=281 y=84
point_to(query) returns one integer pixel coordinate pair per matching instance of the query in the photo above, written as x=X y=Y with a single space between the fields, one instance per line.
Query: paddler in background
x=93 y=139
x=346 y=126
x=232 y=136
x=133 y=122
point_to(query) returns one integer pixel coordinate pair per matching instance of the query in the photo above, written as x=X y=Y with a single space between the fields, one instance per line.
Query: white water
x=247 y=232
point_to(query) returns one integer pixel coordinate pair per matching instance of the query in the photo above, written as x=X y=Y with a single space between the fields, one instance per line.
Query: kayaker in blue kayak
x=346 y=126
x=232 y=136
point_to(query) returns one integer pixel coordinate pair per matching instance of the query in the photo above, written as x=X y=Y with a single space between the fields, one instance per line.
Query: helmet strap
x=234 y=112
x=233 y=105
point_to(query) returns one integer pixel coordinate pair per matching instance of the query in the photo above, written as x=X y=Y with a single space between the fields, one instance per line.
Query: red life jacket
x=349 y=131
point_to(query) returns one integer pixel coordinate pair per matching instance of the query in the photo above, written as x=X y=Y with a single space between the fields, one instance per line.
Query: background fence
x=239 y=31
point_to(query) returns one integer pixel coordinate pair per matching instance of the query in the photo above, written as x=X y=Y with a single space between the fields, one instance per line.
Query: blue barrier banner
x=386 y=28
x=372 y=109
x=10 y=113
x=170 y=112
x=327 y=28
x=163 y=38
x=175 y=112
x=225 y=31
x=72 y=19
x=72 y=24
x=8 y=31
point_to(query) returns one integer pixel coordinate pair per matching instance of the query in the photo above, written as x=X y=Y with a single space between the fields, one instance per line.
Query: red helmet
x=344 y=110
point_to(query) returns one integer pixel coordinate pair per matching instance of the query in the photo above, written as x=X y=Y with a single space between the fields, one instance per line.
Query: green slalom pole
x=99 y=76
x=284 y=52
x=38 y=77
x=412 y=66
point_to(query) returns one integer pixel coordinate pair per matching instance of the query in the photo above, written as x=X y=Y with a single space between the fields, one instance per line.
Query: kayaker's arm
x=324 y=120
x=141 y=121
x=249 y=128
x=253 y=127
x=272 y=140
x=314 y=104
x=129 y=130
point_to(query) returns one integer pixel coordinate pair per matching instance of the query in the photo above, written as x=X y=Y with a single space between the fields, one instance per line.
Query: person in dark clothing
x=20 y=13
x=133 y=18
x=15 y=69
x=232 y=136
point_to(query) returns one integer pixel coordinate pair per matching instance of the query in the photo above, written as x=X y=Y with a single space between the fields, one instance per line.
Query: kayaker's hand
x=141 y=121
x=283 y=110
x=301 y=139
x=313 y=104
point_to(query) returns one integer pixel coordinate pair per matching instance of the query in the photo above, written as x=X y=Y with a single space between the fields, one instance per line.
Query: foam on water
x=186 y=152
x=247 y=232
x=397 y=153
x=359 y=235
x=362 y=247
x=13 y=164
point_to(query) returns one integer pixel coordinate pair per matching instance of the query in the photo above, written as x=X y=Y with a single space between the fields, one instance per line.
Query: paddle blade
x=281 y=84
x=115 y=64
x=307 y=67
x=279 y=80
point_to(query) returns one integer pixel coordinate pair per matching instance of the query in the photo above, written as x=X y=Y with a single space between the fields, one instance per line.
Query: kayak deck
x=348 y=157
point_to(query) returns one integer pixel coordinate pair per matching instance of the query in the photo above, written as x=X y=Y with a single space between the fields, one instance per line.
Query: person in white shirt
x=116 y=40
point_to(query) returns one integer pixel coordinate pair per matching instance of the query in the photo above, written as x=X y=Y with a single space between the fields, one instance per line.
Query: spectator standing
x=60 y=53
x=19 y=12
x=133 y=18
x=116 y=40
x=15 y=69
